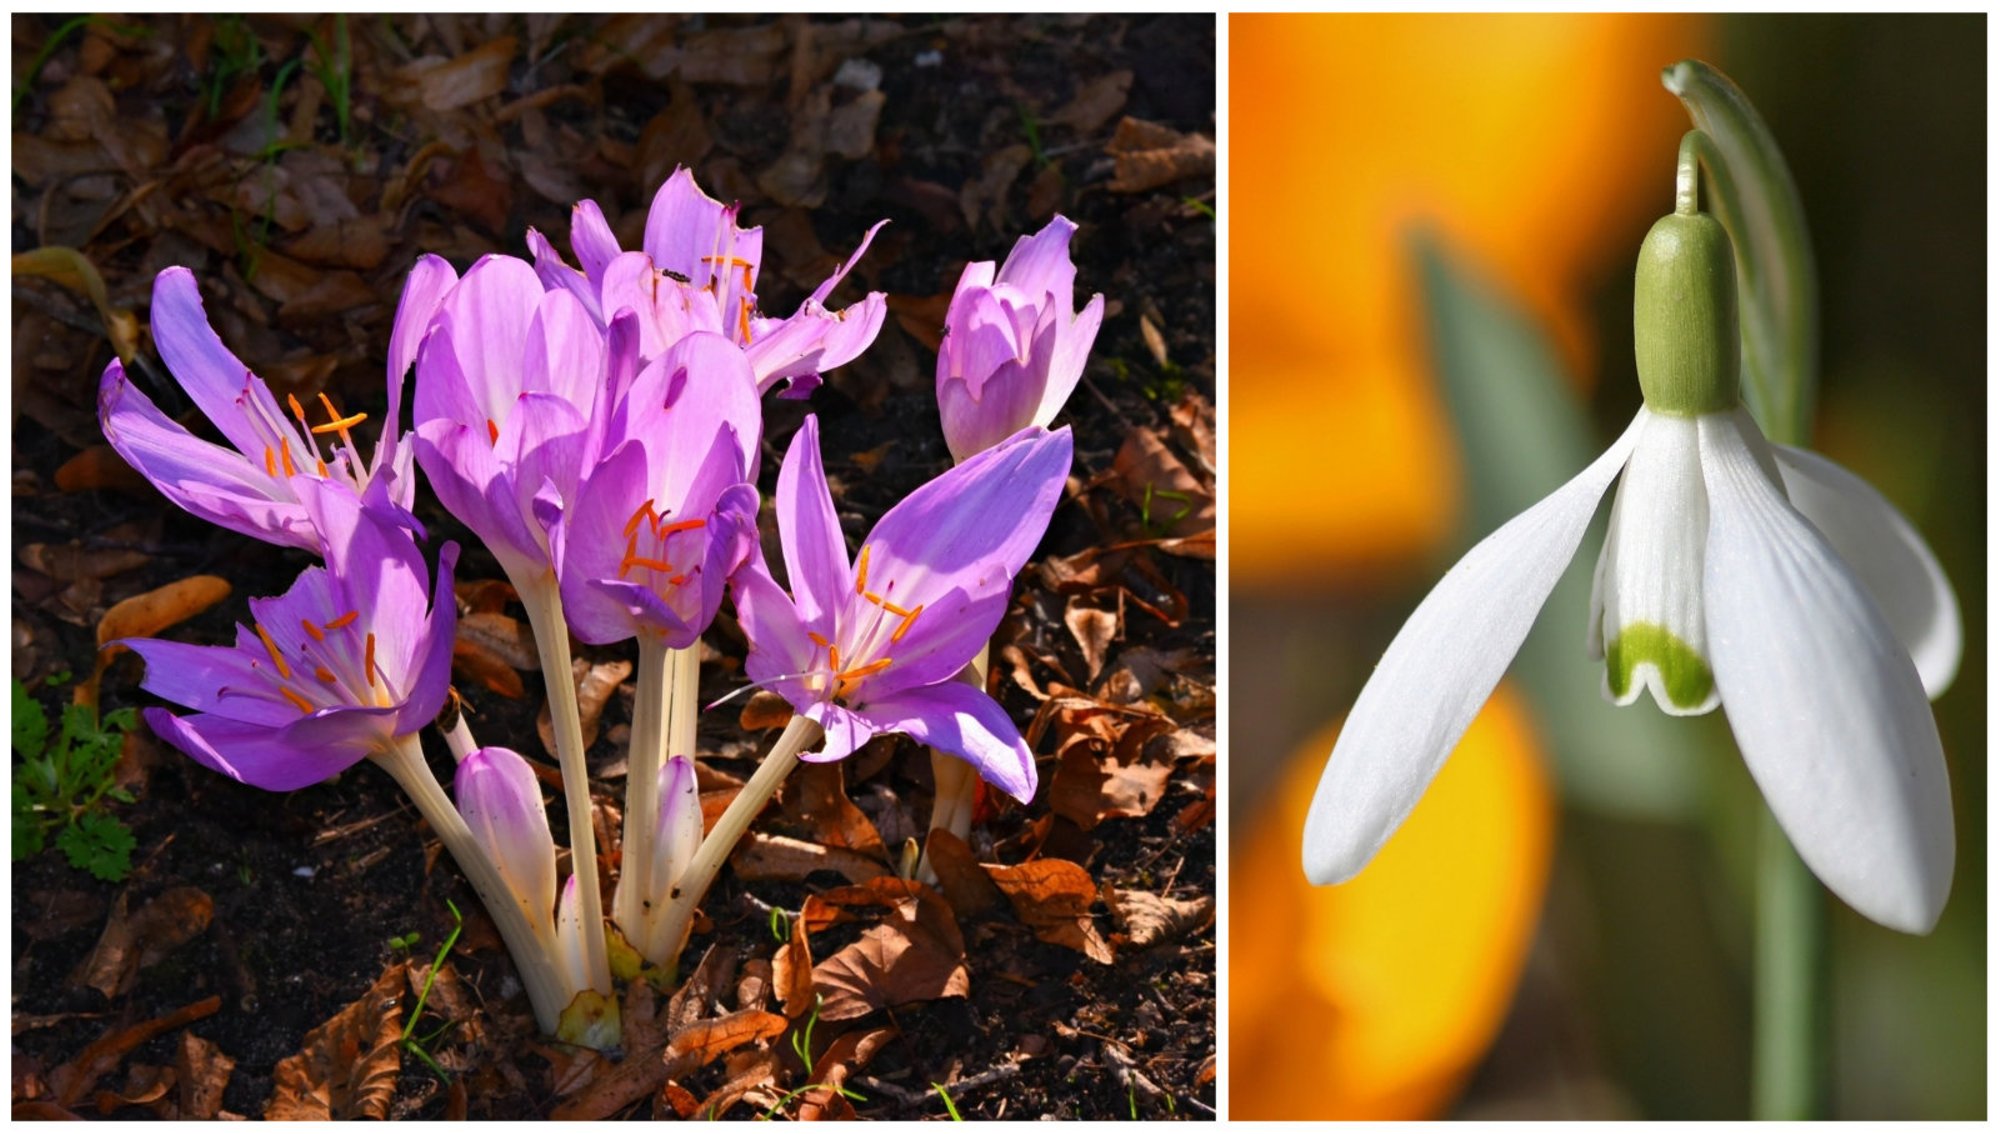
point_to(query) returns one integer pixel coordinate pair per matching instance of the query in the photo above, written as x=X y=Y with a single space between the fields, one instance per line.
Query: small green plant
x=950 y=1107
x=1033 y=130
x=54 y=43
x=1165 y=523
x=235 y=52
x=406 y=942
x=419 y=1046
x=61 y=788
x=334 y=67
x=1199 y=206
x=781 y=925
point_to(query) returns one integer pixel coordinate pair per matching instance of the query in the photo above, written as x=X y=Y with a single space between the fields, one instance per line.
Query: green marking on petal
x=1682 y=670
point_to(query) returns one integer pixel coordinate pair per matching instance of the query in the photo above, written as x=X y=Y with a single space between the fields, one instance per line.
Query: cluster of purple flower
x=599 y=429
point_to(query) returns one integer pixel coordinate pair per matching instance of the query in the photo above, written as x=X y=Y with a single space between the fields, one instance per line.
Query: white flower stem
x=956 y=782
x=458 y=738
x=529 y=934
x=545 y=615
x=678 y=913
x=651 y=711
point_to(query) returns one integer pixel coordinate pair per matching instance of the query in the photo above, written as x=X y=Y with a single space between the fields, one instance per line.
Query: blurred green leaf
x=1522 y=434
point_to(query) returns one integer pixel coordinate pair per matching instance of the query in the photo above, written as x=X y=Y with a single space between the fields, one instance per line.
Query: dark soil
x=309 y=887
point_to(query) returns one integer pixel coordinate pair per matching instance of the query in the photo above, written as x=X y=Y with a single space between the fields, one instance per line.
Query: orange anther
x=343 y=620
x=304 y=705
x=492 y=432
x=321 y=465
x=298 y=410
x=909 y=620
x=857 y=674
x=270 y=461
x=732 y=261
x=311 y=630
x=340 y=425
x=368 y=660
x=677 y=580
x=680 y=526
x=632 y=525
x=817 y=640
x=861 y=572
x=833 y=658
x=271 y=648
x=891 y=607
x=660 y=565
x=324 y=674
x=871 y=596
x=285 y=451
x=743 y=321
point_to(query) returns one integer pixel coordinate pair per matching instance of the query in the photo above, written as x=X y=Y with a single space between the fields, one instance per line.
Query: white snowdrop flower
x=1758 y=577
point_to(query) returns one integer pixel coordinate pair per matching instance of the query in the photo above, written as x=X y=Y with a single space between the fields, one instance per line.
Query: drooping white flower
x=1757 y=577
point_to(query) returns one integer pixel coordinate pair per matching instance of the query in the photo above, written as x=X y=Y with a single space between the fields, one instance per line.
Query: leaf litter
x=249 y=967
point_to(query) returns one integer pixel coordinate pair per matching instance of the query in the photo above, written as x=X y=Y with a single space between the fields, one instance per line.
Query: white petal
x=1439 y=671
x=1824 y=701
x=1888 y=556
x=1645 y=614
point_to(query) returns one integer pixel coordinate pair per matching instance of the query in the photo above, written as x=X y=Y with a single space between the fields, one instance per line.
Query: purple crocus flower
x=502 y=803
x=327 y=674
x=872 y=646
x=655 y=529
x=1014 y=346
x=698 y=272
x=507 y=382
x=248 y=485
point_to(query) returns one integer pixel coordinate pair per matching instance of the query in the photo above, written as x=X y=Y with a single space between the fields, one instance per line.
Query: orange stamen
x=833 y=658
x=680 y=526
x=298 y=411
x=343 y=620
x=732 y=261
x=632 y=525
x=817 y=640
x=652 y=564
x=871 y=596
x=891 y=607
x=743 y=321
x=861 y=573
x=285 y=451
x=271 y=648
x=677 y=580
x=304 y=705
x=321 y=465
x=311 y=630
x=339 y=424
x=863 y=671
x=492 y=432
x=270 y=461
x=324 y=674
x=368 y=660
x=909 y=620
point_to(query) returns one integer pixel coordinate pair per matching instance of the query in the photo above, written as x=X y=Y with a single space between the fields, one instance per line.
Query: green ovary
x=1685 y=675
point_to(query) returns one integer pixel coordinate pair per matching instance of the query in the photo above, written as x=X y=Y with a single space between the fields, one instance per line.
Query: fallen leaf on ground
x=965 y=883
x=447 y=84
x=914 y=954
x=1170 y=499
x=100 y=466
x=595 y=683
x=777 y=858
x=74 y=1079
x=1148 y=156
x=635 y=1077
x=203 y=1072
x=1094 y=631
x=143 y=616
x=474 y=662
x=72 y=561
x=846 y=1055
x=792 y=971
x=816 y=796
x=132 y=944
x=1149 y=919
x=1095 y=103
x=347 y=1066
x=505 y=637
x=1053 y=897
x=704 y=1041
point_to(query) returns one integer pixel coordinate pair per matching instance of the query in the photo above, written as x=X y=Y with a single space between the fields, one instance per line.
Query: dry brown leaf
x=347 y=1067
x=145 y=1086
x=704 y=1041
x=1092 y=785
x=1168 y=495
x=846 y=1055
x=144 y=616
x=1194 y=426
x=1053 y=897
x=985 y=196
x=203 y=1072
x=1094 y=631
x=1150 y=919
x=474 y=662
x=447 y=84
x=505 y=637
x=71 y=561
x=1095 y=103
x=763 y=710
x=1156 y=343
x=777 y=858
x=792 y=971
x=74 y=1079
x=753 y=1078
x=129 y=945
x=594 y=691
x=638 y=1075
x=816 y=797
x=73 y=270
x=922 y=316
x=914 y=954
x=966 y=885
x=674 y=137
x=100 y=466
x=1148 y=156
x=703 y=988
